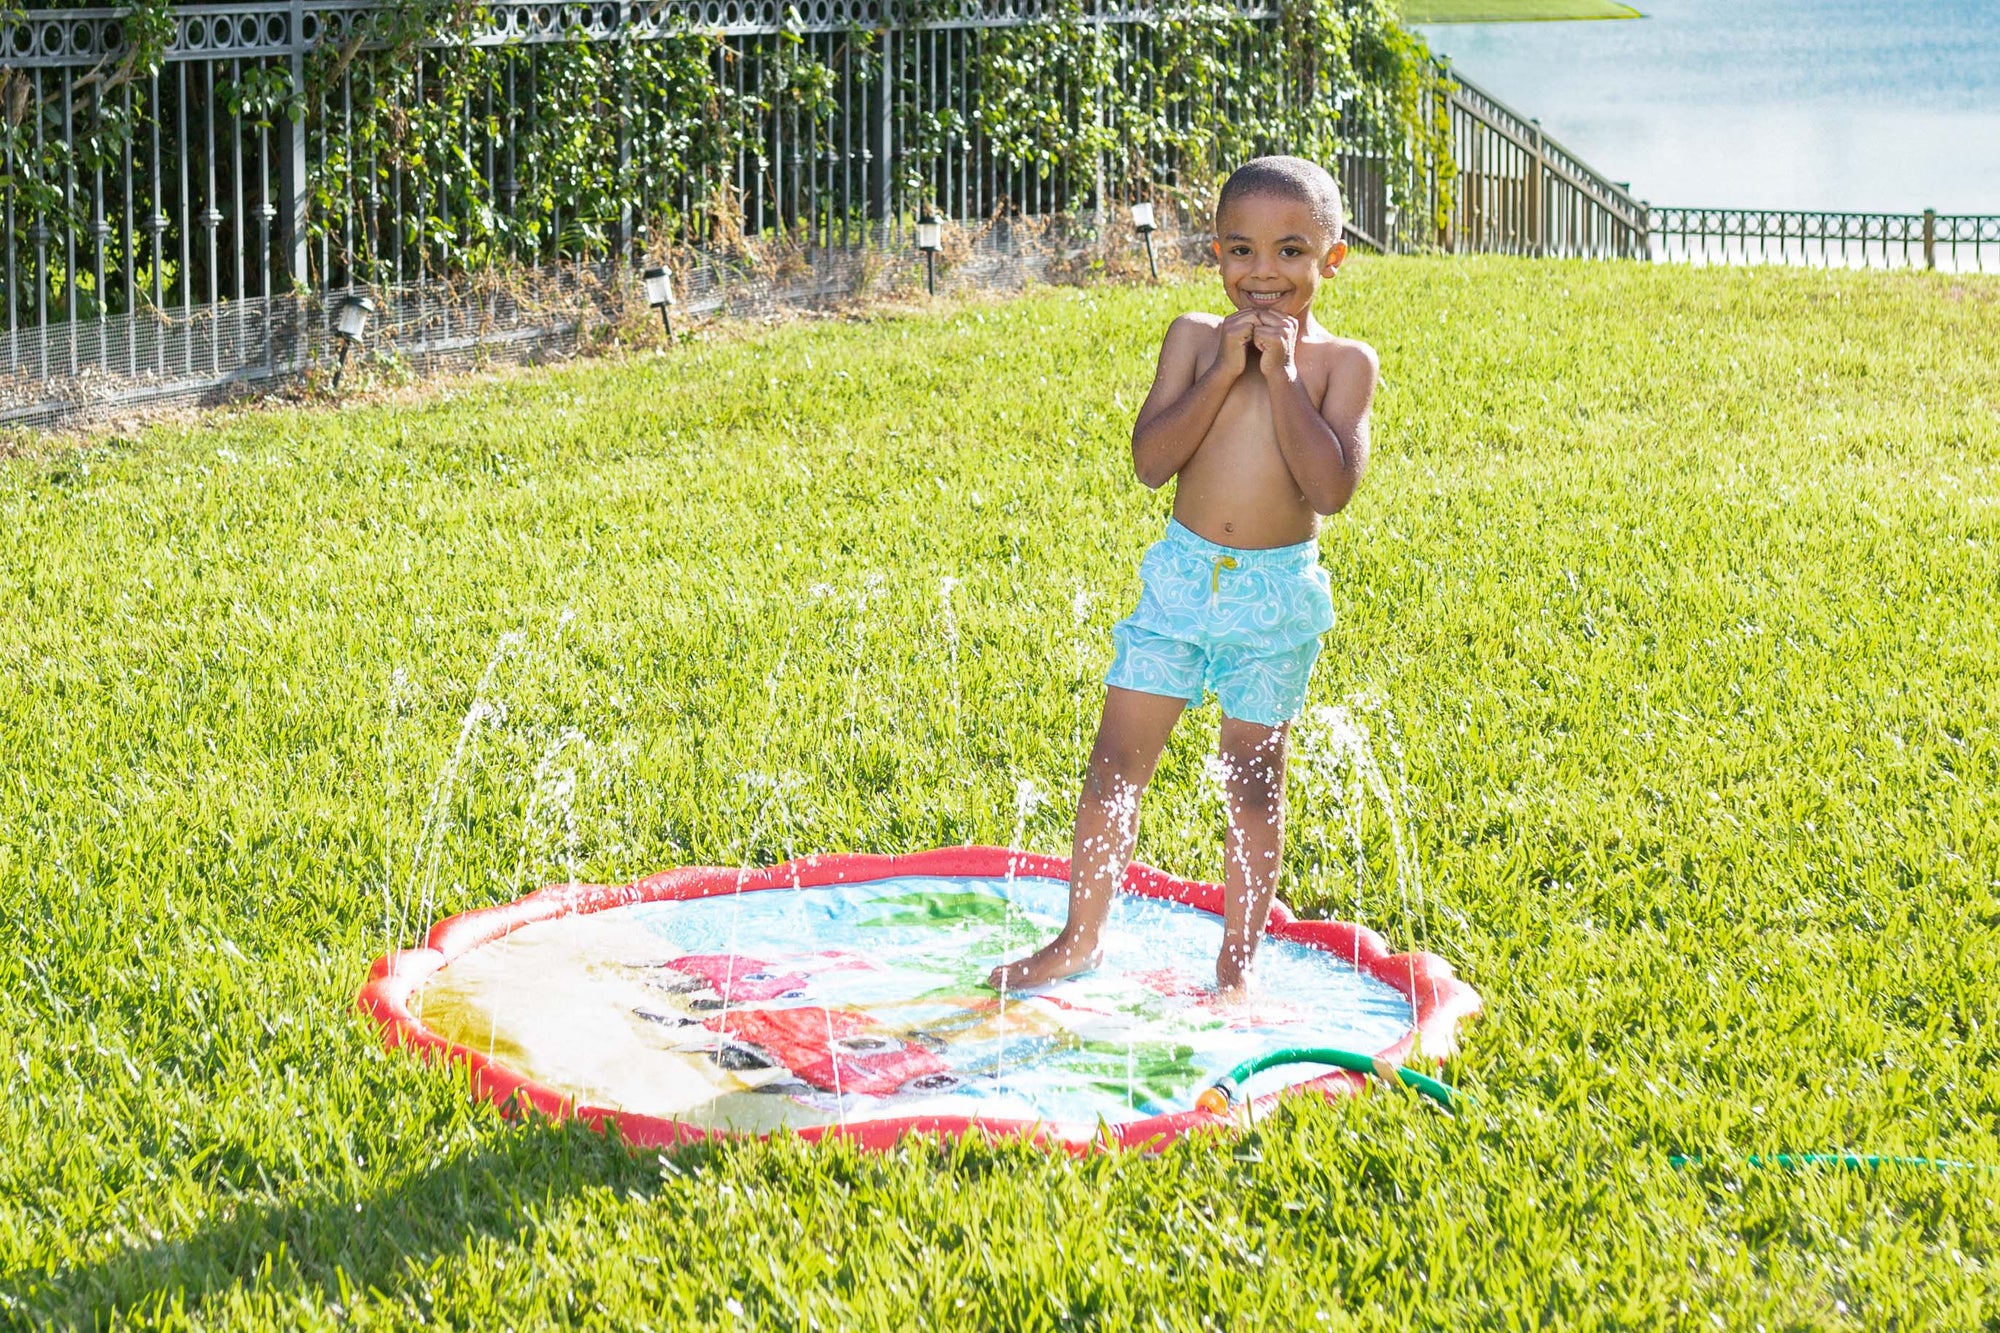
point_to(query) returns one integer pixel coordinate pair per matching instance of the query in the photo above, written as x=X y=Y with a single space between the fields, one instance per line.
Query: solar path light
x=930 y=236
x=351 y=323
x=1142 y=222
x=660 y=295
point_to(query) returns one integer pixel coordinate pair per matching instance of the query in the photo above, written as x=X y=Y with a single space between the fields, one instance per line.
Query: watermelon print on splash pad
x=845 y=995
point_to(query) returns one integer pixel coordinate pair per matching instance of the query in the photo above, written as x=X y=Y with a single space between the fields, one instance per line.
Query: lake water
x=1890 y=105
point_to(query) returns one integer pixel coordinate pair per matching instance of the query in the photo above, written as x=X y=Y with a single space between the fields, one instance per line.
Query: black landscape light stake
x=660 y=294
x=1142 y=222
x=351 y=323
x=930 y=235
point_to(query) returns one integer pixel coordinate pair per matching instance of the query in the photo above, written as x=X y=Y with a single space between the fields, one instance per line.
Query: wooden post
x=1930 y=238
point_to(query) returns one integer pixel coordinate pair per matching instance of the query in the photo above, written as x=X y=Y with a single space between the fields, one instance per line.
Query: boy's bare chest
x=1246 y=409
x=1238 y=467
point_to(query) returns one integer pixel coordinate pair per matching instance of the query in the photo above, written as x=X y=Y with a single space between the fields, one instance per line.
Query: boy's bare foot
x=1060 y=957
x=1232 y=975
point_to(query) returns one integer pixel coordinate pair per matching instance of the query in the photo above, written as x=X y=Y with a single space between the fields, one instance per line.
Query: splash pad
x=844 y=995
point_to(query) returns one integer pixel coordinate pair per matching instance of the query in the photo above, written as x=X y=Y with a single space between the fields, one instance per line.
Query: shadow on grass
x=331 y=1250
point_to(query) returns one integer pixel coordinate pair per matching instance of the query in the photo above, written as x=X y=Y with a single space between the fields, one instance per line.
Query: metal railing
x=555 y=146
x=203 y=248
x=1517 y=191
x=1956 y=243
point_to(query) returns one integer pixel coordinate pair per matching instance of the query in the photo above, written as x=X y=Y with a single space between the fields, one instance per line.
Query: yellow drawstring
x=1222 y=562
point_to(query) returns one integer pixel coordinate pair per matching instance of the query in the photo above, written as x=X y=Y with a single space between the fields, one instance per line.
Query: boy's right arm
x=1174 y=419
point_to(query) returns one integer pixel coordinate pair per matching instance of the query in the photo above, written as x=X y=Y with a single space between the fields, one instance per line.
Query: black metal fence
x=1956 y=243
x=183 y=203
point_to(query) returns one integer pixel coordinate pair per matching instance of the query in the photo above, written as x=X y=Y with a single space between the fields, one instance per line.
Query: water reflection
x=1833 y=104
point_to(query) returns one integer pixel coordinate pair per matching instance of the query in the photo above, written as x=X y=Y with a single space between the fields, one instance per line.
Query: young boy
x=1262 y=416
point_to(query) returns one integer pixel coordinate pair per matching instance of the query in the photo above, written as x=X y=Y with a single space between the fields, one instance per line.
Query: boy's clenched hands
x=1187 y=397
x=1238 y=333
x=1277 y=340
x=1273 y=333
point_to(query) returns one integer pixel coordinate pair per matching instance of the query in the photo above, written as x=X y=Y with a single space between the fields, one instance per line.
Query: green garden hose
x=1794 y=1161
x=1228 y=1090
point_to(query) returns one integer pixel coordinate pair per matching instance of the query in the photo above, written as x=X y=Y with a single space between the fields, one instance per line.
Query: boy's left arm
x=1326 y=447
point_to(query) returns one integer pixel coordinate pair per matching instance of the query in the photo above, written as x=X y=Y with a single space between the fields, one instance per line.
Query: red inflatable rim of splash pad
x=1440 y=998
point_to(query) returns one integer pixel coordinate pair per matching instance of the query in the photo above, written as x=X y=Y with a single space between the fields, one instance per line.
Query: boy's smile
x=1274 y=254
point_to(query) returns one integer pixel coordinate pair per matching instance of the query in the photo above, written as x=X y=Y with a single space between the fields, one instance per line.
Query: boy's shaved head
x=1288 y=178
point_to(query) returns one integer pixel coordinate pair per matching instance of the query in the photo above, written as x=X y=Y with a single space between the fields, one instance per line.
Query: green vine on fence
x=47 y=147
x=574 y=120
x=1174 y=112
x=50 y=149
x=436 y=149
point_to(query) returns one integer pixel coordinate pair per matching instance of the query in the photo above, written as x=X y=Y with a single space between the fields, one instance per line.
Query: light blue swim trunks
x=1245 y=624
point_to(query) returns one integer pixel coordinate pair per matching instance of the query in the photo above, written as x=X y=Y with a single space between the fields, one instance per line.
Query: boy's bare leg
x=1253 y=760
x=1130 y=737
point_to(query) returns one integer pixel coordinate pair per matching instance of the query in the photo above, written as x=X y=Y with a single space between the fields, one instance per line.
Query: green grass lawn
x=1512 y=11
x=1680 y=588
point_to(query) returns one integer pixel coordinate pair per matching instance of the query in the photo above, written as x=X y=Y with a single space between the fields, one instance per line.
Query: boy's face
x=1274 y=254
